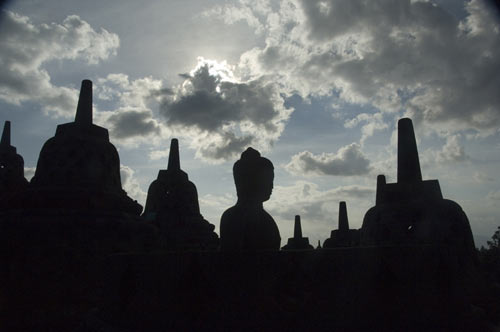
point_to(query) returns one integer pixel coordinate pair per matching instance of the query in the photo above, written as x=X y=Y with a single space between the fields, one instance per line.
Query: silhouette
x=247 y=226
x=72 y=213
x=413 y=211
x=79 y=168
x=76 y=254
x=343 y=236
x=172 y=205
x=12 y=179
x=297 y=242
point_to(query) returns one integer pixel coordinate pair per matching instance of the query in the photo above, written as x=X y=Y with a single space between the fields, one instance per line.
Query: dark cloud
x=348 y=161
x=211 y=103
x=125 y=124
x=231 y=146
x=229 y=113
x=399 y=56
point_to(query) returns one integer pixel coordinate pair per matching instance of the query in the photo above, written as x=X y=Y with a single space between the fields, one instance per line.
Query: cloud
x=131 y=185
x=159 y=154
x=452 y=151
x=225 y=146
x=133 y=123
x=409 y=57
x=253 y=17
x=317 y=207
x=29 y=172
x=348 y=161
x=494 y=195
x=223 y=114
x=307 y=199
x=26 y=47
x=372 y=123
x=481 y=177
x=131 y=120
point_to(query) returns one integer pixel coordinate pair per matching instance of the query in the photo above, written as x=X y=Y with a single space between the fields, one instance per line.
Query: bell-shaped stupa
x=172 y=205
x=79 y=168
x=12 y=179
x=297 y=242
x=75 y=201
x=343 y=236
x=413 y=211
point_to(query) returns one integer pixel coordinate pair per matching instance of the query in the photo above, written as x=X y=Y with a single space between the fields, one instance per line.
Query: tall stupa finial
x=408 y=163
x=173 y=157
x=6 y=134
x=84 y=109
x=343 y=221
x=297 y=231
x=381 y=182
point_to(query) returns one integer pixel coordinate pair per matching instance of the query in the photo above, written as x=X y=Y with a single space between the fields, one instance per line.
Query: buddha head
x=253 y=176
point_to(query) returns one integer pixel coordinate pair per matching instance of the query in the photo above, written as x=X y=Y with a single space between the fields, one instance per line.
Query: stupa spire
x=297 y=242
x=173 y=157
x=297 y=231
x=408 y=163
x=6 y=134
x=84 y=109
x=381 y=182
x=343 y=221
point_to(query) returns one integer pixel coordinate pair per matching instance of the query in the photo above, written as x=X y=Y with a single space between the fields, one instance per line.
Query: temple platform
x=409 y=288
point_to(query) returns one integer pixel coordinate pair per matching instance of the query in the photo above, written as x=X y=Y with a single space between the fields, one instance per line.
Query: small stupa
x=12 y=179
x=412 y=210
x=297 y=242
x=172 y=205
x=343 y=236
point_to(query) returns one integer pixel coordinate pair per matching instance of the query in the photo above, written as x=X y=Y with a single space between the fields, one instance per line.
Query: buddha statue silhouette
x=247 y=226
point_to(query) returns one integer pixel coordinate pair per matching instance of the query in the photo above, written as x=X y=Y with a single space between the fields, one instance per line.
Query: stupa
x=412 y=210
x=172 y=205
x=297 y=242
x=12 y=179
x=79 y=168
x=343 y=236
x=75 y=200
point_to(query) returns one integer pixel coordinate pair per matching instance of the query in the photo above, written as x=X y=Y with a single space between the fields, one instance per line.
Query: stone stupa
x=343 y=236
x=79 y=168
x=297 y=242
x=75 y=199
x=172 y=205
x=413 y=211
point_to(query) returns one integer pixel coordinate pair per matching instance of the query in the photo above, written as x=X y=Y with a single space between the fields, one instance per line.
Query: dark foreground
x=48 y=288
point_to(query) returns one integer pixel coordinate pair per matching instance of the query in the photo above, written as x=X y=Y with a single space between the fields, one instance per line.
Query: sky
x=316 y=86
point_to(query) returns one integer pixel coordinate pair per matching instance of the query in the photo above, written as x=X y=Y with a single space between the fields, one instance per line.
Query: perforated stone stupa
x=413 y=211
x=343 y=236
x=79 y=168
x=172 y=205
